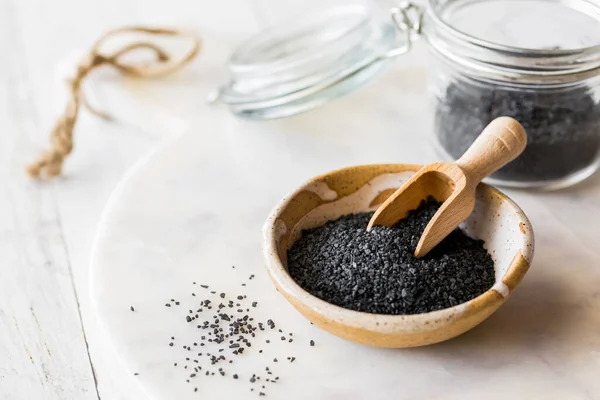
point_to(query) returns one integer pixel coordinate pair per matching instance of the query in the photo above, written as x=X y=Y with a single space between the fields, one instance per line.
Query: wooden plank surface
x=44 y=354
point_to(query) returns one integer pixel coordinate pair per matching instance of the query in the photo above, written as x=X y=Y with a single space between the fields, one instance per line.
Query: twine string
x=50 y=162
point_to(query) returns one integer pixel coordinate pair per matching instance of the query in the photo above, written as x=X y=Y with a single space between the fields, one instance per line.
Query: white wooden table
x=50 y=342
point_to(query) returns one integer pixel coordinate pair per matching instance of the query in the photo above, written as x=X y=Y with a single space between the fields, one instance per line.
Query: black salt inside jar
x=563 y=127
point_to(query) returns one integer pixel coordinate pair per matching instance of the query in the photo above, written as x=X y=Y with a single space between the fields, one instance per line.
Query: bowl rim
x=384 y=323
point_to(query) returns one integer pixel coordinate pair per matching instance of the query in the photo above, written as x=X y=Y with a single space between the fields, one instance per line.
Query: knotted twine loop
x=50 y=162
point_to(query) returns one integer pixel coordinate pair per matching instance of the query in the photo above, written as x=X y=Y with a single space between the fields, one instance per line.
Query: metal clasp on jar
x=408 y=19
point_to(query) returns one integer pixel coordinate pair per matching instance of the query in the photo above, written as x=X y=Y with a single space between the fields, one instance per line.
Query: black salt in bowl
x=377 y=272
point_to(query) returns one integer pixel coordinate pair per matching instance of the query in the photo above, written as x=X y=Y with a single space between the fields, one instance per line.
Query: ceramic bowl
x=496 y=219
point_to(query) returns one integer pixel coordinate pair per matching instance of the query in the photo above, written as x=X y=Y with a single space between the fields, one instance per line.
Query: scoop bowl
x=496 y=219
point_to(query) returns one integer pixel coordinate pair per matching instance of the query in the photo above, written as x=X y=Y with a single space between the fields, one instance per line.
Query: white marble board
x=194 y=208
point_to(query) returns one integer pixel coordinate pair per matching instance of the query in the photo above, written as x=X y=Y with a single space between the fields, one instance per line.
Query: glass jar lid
x=298 y=65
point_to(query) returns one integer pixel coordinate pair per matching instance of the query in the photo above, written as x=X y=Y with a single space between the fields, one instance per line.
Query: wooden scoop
x=453 y=183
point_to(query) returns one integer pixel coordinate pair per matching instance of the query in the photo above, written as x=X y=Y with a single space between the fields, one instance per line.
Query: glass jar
x=534 y=60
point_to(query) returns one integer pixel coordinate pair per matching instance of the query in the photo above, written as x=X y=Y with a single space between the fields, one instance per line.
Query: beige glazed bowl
x=497 y=220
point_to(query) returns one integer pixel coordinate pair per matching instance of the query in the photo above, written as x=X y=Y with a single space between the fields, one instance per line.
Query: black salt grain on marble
x=240 y=327
x=376 y=272
x=563 y=126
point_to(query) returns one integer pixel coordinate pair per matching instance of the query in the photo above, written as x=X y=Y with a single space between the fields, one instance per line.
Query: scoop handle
x=500 y=142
